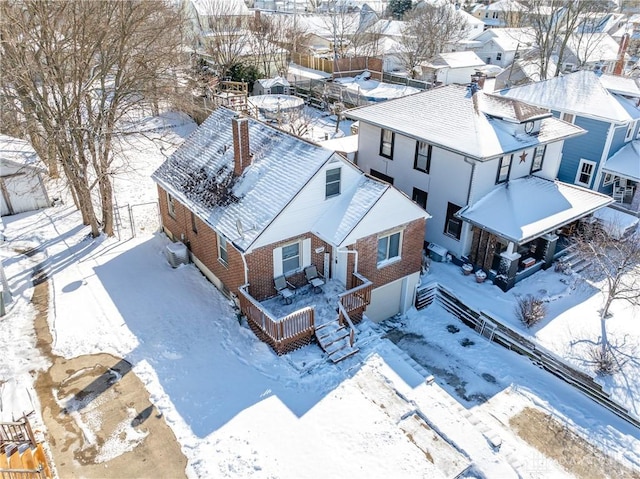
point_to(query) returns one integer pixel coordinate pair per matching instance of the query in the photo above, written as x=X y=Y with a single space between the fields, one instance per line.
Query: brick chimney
x=241 y=152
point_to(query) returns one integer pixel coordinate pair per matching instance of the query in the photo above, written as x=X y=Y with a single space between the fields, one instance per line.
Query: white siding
x=26 y=191
x=447 y=181
x=300 y=215
x=385 y=301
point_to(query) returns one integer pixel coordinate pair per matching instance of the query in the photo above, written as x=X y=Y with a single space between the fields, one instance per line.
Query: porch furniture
x=313 y=278
x=284 y=289
x=618 y=194
x=528 y=262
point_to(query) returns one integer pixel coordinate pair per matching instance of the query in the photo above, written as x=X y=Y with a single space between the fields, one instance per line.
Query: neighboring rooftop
x=452 y=118
x=508 y=211
x=626 y=86
x=581 y=93
x=625 y=162
x=456 y=60
x=17 y=151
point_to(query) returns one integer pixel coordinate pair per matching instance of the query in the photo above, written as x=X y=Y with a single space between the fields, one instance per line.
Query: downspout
x=353 y=251
x=465 y=231
x=246 y=269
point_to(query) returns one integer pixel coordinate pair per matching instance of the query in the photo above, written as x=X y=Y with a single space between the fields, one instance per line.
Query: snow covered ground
x=240 y=411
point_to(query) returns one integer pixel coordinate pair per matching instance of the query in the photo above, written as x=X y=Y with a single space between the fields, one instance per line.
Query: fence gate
x=136 y=220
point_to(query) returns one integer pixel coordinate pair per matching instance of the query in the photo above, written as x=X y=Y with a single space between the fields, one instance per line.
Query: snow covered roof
x=500 y=6
x=220 y=7
x=580 y=93
x=593 y=47
x=625 y=162
x=18 y=152
x=508 y=211
x=616 y=222
x=450 y=117
x=336 y=224
x=509 y=39
x=346 y=144
x=622 y=85
x=200 y=175
x=270 y=82
x=457 y=60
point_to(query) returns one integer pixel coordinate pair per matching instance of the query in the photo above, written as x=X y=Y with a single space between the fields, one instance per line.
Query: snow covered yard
x=238 y=410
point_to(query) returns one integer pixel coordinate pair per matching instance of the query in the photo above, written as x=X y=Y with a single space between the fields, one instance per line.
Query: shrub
x=604 y=361
x=530 y=310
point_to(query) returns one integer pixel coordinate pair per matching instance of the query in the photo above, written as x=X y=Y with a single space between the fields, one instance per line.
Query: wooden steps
x=335 y=340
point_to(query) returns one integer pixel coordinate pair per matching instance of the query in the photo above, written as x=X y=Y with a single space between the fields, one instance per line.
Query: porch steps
x=334 y=340
x=424 y=297
x=575 y=262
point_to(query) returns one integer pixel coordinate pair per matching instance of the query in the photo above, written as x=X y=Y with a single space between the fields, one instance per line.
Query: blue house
x=608 y=107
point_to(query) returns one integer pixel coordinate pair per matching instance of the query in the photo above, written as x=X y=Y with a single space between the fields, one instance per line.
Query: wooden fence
x=506 y=337
x=342 y=67
x=282 y=334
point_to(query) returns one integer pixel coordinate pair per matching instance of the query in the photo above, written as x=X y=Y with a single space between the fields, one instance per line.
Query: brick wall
x=260 y=264
x=411 y=256
x=203 y=244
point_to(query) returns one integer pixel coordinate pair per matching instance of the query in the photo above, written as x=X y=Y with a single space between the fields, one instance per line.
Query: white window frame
x=609 y=179
x=304 y=255
x=387 y=144
x=171 y=206
x=630 y=129
x=389 y=259
x=538 y=153
x=332 y=183
x=568 y=117
x=298 y=256
x=505 y=161
x=499 y=56
x=223 y=249
x=584 y=162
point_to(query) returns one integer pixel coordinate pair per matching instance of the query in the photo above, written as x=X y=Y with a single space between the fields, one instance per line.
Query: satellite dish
x=239 y=228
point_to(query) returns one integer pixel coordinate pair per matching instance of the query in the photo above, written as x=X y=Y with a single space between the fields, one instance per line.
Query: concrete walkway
x=107 y=428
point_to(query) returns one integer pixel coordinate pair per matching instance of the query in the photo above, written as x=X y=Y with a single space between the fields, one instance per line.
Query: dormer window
x=332 y=186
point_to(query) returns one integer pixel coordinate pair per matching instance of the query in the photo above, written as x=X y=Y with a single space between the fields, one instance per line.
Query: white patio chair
x=313 y=278
x=284 y=289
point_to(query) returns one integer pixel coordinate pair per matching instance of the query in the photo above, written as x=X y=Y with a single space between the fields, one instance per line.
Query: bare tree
x=342 y=26
x=78 y=70
x=273 y=36
x=615 y=264
x=225 y=33
x=553 y=23
x=428 y=29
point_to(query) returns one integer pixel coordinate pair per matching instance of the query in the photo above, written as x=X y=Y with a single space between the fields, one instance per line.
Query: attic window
x=332 y=187
x=568 y=117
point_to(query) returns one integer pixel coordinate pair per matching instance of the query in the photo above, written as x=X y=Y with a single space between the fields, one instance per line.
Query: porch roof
x=625 y=162
x=508 y=210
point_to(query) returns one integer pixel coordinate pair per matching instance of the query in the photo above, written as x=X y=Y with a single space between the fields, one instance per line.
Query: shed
x=272 y=86
x=21 y=177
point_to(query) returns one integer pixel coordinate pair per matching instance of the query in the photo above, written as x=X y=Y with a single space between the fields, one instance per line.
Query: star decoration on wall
x=523 y=157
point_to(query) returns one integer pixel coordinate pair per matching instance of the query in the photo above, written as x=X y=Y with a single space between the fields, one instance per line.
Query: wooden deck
x=292 y=330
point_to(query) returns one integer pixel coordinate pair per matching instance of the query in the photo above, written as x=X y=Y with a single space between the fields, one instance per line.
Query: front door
x=339 y=269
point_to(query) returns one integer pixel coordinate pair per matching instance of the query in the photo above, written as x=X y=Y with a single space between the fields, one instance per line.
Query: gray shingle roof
x=450 y=117
x=200 y=175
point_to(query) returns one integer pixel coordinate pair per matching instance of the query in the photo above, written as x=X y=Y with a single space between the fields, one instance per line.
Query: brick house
x=253 y=203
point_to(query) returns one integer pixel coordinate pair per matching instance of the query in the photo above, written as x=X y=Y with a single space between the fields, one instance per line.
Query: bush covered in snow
x=530 y=310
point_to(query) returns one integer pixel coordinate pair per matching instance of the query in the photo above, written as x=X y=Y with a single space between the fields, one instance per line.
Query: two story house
x=608 y=107
x=485 y=167
x=253 y=203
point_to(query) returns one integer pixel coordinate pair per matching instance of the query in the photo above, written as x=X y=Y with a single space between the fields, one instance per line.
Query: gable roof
x=200 y=175
x=625 y=162
x=622 y=85
x=18 y=152
x=593 y=47
x=453 y=119
x=509 y=39
x=456 y=60
x=508 y=211
x=580 y=93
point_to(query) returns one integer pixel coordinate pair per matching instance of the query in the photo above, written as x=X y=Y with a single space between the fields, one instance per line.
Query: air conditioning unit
x=437 y=252
x=177 y=254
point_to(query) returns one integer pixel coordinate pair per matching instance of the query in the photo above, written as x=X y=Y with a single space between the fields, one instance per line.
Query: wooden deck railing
x=282 y=334
x=356 y=300
x=17 y=433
